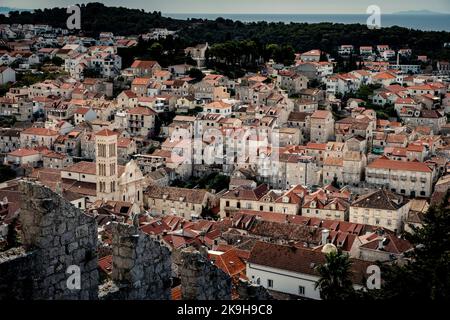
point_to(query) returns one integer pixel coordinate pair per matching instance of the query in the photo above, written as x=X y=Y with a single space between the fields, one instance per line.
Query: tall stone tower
x=106 y=165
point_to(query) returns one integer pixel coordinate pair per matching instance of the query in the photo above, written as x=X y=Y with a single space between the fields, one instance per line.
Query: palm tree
x=334 y=282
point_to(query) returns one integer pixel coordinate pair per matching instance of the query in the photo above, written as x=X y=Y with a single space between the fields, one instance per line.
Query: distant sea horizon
x=421 y=20
x=425 y=22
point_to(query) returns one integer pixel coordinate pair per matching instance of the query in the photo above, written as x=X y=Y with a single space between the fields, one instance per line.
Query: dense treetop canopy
x=96 y=17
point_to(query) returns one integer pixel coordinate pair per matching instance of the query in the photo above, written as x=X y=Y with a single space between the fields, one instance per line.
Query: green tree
x=335 y=282
x=197 y=74
x=156 y=51
x=6 y=173
x=365 y=91
x=218 y=182
x=301 y=36
x=91 y=73
x=270 y=50
x=57 y=61
x=4 y=88
x=7 y=121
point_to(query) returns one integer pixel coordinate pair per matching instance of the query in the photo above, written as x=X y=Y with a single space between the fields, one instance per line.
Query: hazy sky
x=251 y=6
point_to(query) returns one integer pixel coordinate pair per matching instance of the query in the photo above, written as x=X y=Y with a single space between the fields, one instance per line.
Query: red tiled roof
x=141 y=81
x=124 y=142
x=319 y=146
x=176 y=293
x=23 y=153
x=40 y=132
x=333 y=161
x=142 y=111
x=391 y=244
x=421 y=87
x=299 y=260
x=144 y=64
x=106 y=133
x=55 y=155
x=320 y=114
x=230 y=263
x=311 y=53
x=105 y=264
x=218 y=105
x=247 y=194
x=384 y=163
x=405 y=101
x=155 y=227
x=415 y=147
x=82 y=167
x=129 y=94
x=82 y=110
x=384 y=76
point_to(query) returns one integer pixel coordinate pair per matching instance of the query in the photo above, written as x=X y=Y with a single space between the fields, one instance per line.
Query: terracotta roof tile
x=142 y=111
x=321 y=114
x=23 y=153
x=300 y=260
x=106 y=133
x=384 y=163
x=40 y=132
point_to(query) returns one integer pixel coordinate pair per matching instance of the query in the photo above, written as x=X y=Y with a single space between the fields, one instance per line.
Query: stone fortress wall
x=58 y=260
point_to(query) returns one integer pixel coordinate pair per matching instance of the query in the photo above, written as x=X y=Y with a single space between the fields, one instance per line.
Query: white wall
x=9 y=75
x=283 y=280
x=286 y=281
x=79 y=176
x=79 y=203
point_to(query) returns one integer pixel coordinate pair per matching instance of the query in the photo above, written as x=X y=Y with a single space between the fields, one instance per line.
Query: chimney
x=381 y=241
x=325 y=235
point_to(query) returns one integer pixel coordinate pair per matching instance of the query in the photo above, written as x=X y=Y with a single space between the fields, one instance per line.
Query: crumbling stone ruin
x=15 y=282
x=60 y=246
x=249 y=291
x=58 y=240
x=202 y=280
x=141 y=266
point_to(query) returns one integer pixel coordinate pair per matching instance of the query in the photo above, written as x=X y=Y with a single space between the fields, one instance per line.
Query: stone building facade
x=380 y=208
x=413 y=179
x=322 y=126
x=138 y=275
